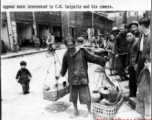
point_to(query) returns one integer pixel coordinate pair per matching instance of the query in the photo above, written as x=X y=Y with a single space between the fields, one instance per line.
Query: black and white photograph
x=75 y=65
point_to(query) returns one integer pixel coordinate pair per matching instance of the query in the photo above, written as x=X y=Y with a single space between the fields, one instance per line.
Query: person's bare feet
x=89 y=116
x=76 y=113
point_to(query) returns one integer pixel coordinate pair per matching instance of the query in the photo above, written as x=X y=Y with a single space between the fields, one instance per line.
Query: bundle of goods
x=106 y=102
x=55 y=92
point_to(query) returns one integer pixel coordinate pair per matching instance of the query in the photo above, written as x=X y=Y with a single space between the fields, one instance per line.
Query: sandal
x=74 y=115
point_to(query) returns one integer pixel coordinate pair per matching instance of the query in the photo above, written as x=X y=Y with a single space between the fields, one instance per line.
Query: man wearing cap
x=75 y=62
x=134 y=27
x=144 y=45
x=115 y=31
x=121 y=52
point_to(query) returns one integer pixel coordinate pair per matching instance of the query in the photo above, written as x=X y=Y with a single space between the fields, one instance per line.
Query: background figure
x=3 y=48
x=37 y=43
x=144 y=45
x=132 y=53
x=110 y=48
x=134 y=27
x=80 y=39
x=15 y=44
x=85 y=34
x=121 y=52
x=92 y=41
x=100 y=41
x=43 y=41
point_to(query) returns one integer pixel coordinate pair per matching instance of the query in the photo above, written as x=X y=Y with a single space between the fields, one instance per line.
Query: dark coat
x=77 y=66
x=132 y=53
x=141 y=56
x=23 y=75
x=3 y=49
x=121 y=44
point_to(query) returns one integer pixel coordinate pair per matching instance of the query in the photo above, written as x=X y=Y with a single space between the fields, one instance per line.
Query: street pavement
x=17 y=106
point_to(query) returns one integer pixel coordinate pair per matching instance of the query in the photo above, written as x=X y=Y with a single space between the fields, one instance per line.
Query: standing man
x=121 y=52
x=132 y=53
x=75 y=61
x=144 y=45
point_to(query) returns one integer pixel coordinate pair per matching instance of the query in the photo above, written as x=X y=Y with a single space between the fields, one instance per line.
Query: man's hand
x=57 y=77
x=116 y=55
x=135 y=67
x=127 y=67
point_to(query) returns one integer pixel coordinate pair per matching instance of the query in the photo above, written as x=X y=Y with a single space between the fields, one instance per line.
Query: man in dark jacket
x=132 y=53
x=75 y=61
x=143 y=45
x=121 y=51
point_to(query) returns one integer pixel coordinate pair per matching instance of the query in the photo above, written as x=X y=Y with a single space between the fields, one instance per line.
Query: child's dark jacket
x=23 y=75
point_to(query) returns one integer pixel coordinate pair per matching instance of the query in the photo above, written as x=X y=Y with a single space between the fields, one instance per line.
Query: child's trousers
x=25 y=87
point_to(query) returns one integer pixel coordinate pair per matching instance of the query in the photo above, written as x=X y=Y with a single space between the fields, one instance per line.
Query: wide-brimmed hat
x=133 y=23
x=115 y=29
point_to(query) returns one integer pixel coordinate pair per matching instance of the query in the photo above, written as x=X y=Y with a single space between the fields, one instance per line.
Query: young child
x=23 y=77
x=143 y=92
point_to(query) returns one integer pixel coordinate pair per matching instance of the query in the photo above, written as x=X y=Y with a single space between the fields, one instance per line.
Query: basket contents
x=46 y=87
x=109 y=103
x=104 y=91
x=95 y=96
x=114 y=94
x=56 y=91
x=57 y=86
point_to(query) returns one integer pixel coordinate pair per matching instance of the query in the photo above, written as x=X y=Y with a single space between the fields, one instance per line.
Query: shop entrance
x=24 y=31
x=57 y=33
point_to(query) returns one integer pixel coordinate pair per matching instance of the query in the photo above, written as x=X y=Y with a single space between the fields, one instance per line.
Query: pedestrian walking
x=75 y=61
x=23 y=77
x=144 y=44
x=132 y=53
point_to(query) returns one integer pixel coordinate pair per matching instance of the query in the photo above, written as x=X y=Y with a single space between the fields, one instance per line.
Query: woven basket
x=55 y=95
x=104 y=111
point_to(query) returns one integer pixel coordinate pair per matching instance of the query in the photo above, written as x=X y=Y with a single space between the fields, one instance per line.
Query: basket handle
x=47 y=71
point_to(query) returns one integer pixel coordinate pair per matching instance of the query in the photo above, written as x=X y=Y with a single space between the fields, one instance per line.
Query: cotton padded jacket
x=77 y=66
x=23 y=75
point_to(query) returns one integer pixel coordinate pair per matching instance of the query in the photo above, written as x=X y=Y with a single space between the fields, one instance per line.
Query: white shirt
x=142 y=41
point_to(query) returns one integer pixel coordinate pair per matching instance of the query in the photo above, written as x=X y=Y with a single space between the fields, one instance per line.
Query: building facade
x=75 y=22
x=26 y=25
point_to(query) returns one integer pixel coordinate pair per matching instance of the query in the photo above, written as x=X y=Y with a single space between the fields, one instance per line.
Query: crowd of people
x=129 y=53
x=129 y=57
